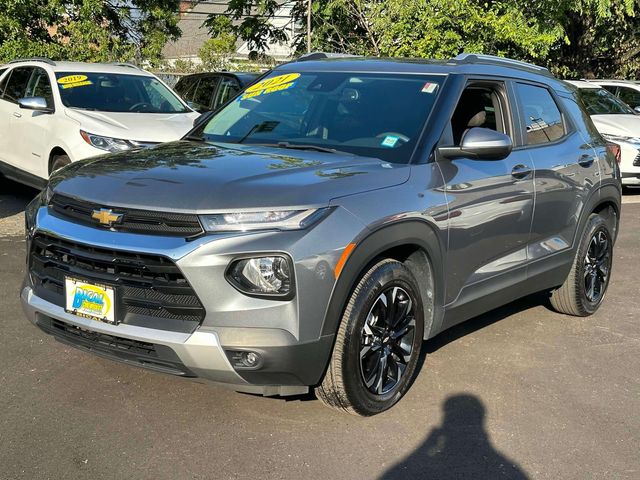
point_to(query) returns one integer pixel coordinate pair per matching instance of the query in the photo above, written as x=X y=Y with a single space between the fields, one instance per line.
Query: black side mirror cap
x=480 y=144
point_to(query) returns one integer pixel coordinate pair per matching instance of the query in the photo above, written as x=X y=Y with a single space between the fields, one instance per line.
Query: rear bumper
x=199 y=354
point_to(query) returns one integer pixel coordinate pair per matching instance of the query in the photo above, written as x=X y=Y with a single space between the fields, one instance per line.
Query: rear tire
x=585 y=287
x=378 y=343
x=58 y=162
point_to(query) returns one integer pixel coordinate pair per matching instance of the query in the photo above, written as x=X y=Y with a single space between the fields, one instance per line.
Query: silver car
x=327 y=221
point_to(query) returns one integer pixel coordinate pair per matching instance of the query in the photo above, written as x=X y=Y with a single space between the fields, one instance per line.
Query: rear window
x=599 y=101
x=542 y=117
x=108 y=92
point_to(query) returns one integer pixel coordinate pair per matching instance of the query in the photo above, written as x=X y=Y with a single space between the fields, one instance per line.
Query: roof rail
x=124 y=64
x=492 y=59
x=33 y=59
x=320 y=55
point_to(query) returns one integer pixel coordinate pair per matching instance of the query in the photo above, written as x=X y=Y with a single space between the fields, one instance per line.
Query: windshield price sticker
x=270 y=85
x=71 y=81
x=429 y=87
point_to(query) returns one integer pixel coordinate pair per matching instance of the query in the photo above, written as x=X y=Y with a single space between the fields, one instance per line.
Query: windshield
x=112 y=92
x=599 y=101
x=373 y=115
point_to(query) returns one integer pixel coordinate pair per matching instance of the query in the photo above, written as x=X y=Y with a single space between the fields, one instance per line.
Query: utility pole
x=308 y=26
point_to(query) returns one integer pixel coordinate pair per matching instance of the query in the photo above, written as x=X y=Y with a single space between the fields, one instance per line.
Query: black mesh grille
x=151 y=290
x=133 y=220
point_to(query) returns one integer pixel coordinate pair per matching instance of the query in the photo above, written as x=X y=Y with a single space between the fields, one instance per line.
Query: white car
x=54 y=113
x=616 y=122
x=627 y=91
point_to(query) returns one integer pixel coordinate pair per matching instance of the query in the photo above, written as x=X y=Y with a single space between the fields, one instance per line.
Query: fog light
x=262 y=276
x=243 y=359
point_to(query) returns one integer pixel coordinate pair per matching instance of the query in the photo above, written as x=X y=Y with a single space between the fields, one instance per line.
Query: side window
x=542 y=117
x=204 y=93
x=17 y=84
x=479 y=106
x=629 y=96
x=228 y=88
x=185 y=87
x=40 y=86
x=3 y=82
x=611 y=88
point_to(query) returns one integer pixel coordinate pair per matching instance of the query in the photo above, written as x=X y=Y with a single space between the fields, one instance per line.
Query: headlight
x=262 y=276
x=622 y=138
x=107 y=143
x=266 y=220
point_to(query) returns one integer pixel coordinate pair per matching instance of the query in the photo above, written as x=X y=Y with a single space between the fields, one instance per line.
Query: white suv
x=616 y=122
x=54 y=113
x=627 y=91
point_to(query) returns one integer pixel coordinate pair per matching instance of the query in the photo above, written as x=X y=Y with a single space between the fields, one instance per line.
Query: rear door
x=566 y=170
x=15 y=87
x=228 y=88
x=205 y=93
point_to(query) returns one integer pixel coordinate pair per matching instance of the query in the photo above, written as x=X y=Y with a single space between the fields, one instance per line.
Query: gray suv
x=325 y=222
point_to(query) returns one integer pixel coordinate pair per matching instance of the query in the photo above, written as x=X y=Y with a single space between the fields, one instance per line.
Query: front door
x=490 y=201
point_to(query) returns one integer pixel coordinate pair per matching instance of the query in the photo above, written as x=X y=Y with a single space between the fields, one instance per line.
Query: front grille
x=150 y=289
x=133 y=220
x=636 y=161
x=143 y=354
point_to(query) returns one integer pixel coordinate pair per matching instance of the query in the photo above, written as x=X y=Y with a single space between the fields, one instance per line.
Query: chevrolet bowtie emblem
x=106 y=216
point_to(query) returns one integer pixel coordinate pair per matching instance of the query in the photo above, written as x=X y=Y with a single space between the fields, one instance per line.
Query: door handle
x=586 y=160
x=17 y=114
x=520 y=171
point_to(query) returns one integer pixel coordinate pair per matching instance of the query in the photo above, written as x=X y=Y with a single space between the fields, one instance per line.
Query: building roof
x=194 y=34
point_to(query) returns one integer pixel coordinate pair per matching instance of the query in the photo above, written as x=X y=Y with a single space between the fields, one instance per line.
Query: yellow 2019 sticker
x=270 y=85
x=71 y=81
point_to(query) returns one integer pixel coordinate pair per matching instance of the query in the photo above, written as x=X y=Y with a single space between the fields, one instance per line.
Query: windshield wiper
x=194 y=138
x=298 y=146
x=266 y=126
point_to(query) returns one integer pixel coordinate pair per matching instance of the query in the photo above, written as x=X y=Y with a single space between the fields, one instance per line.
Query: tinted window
x=204 y=93
x=598 y=101
x=542 y=118
x=17 y=84
x=228 y=89
x=629 y=96
x=186 y=87
x=374 y=115
x=113 y=92
x=40 y=86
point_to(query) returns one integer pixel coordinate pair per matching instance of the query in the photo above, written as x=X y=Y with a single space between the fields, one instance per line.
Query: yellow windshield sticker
x=270 y=85
x=71 y=81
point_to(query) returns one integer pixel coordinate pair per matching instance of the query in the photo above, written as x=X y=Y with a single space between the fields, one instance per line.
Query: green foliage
x=87 y=30
x=216 y=52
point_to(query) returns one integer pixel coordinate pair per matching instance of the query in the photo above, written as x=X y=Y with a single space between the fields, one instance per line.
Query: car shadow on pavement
x=14 y=197
x=458 y=449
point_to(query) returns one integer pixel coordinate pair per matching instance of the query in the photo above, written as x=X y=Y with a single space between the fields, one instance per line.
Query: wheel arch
x=55 y=152
x=413 y=242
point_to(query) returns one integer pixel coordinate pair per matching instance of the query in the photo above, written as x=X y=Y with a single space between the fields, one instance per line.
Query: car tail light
x=614 y=148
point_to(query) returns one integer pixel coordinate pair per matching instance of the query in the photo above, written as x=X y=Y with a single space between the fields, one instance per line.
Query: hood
x=627 y=125
x=198 y=177
x=142 y=127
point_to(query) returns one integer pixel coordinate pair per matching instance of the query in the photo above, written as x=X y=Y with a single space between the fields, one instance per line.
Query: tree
x=573 y=37
x=216 y=52
x=87 y=30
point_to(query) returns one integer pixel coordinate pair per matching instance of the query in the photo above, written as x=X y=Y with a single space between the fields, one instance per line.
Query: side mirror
x=37 y=104
x=480 y=144
x=637 y=109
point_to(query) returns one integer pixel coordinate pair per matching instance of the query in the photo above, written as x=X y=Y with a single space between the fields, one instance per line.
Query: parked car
x=618 y=123
x=54 y=113
x=206 y=92
x=317 y=229
x=627 y=91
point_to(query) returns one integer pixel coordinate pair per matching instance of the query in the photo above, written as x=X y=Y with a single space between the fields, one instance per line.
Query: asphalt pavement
x=520 y=392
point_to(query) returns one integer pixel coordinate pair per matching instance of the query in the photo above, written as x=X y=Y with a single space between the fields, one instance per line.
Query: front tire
x=584 y=289
x=378 y=343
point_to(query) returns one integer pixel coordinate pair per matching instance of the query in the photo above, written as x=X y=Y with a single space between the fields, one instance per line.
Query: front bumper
x=198 y=354
x=286 y=334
